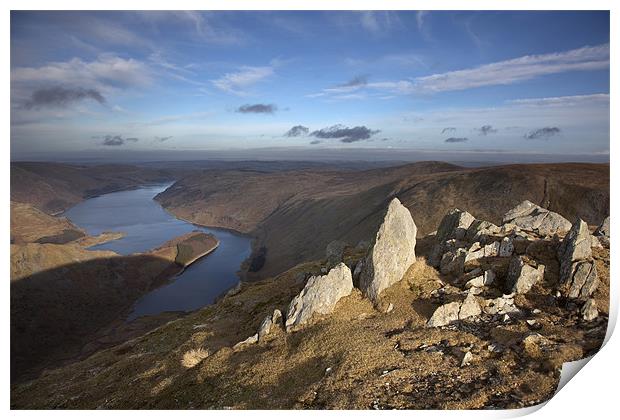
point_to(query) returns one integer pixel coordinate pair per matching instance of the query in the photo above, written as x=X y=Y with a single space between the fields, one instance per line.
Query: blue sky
x=470 y=82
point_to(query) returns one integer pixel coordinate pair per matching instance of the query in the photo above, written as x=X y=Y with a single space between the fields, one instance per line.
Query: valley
x=136 y=326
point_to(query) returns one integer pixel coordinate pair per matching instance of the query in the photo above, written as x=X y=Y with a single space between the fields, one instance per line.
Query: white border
x=592 y=394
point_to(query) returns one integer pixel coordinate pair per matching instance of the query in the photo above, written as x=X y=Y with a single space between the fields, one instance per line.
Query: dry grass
x=356 y=358
x=194 y=356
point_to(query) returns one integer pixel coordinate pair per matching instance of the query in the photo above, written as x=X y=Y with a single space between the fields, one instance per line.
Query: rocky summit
x=392 y=252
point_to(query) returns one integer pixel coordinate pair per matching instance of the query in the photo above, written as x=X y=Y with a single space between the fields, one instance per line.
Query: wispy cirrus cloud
x=574 y=100
x=517 y=70
x=238 y=82
x=498 y=73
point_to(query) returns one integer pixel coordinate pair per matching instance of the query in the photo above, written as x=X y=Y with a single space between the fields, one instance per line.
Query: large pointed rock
x=528 y=216
x=392 y=252
x=319 y=296
x=578 y=276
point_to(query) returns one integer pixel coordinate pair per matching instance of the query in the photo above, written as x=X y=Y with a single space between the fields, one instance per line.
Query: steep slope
x=54 y=187
x=293 y=215
x=63 y=294
x=29 y=224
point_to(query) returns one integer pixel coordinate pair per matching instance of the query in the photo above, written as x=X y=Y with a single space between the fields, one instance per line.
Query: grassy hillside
x=295 y=214
x=358 y=357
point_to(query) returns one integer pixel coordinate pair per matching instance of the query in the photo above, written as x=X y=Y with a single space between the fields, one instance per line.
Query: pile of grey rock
x=480 y=255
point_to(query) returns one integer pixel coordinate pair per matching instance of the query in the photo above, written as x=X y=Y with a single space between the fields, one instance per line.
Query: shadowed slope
x=295 y=214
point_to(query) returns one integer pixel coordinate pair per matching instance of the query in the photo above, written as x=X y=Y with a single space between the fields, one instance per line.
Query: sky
x=303 y=84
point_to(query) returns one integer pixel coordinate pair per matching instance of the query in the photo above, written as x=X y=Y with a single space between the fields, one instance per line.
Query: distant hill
x=54 y=187
x=295 y=214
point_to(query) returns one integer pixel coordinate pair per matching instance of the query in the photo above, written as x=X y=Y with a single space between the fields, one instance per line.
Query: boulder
x=485 y=279
x=578 y=275
x=506 y=247
x=470 y=307
x=392 y=252
x=334 y=252
x=253 y=339
x=319 y=296
x=444 y=315
x=480 y=230
x=455 y=311
x=589 y=311
x=276 y=317
x=521 y=276
x=528 y=216
x=501 y=306
x=453 y=262
x=584 y=280
x=454 y=225
x=265 y=328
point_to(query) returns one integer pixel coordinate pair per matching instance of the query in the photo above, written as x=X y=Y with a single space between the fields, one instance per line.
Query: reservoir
x=147 y=225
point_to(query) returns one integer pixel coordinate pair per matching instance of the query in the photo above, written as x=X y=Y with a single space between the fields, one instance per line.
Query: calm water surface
x=147 y=225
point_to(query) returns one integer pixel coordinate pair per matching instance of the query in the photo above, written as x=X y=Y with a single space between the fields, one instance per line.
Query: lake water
x=147 y=225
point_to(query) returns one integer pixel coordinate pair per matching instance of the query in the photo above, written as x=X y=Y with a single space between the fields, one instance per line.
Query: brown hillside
x=295 y=214
x=54 y=187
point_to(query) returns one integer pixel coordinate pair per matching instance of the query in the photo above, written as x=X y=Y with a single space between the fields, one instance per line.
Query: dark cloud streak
x=486 y=129
x=257 y=109
x=456 y=140
x=62 y=97
x=345 y=134
x=110 y=140
x=162 y=139
x=542 y=133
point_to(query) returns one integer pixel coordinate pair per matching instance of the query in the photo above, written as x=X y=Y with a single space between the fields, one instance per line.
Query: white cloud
x=237 y=82
x=499 y=73
x=575 y=100
x=107 y=71
x=516 y=70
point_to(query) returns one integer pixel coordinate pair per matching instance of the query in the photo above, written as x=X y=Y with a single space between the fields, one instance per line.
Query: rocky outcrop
x=319 y=296
x=392 y=252
x=528 y=216
x=522 y=276
x=578 y=276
